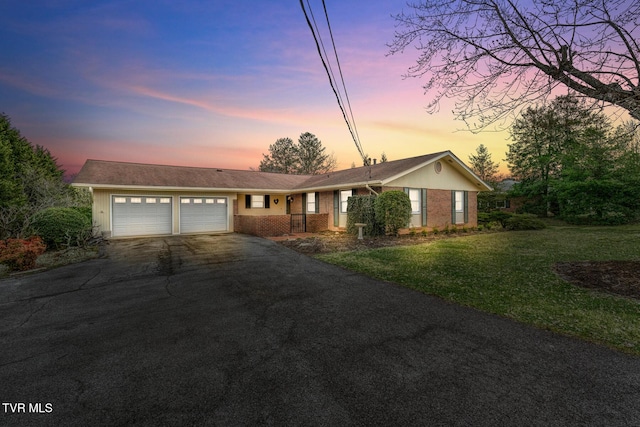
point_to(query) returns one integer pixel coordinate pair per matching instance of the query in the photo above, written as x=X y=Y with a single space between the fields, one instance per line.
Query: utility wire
x=346 y=95
x=320 y=48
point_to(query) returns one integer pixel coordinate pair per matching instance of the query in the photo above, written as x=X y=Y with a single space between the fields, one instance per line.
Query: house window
x=414 y=196
x=165 y=200
x=459 y=201
x=257 y=201
x=119 y=200
x=311 y=202
x=136 y=200
x=344 y=198
x=459 y=207
x=150 y=200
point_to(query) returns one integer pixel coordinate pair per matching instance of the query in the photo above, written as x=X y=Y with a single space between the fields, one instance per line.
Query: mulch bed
x=615 y=277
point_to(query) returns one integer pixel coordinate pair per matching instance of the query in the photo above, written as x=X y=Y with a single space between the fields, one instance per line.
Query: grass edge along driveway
x=511 y=274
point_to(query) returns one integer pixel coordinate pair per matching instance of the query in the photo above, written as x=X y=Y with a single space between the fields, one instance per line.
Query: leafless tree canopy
x=494 y=56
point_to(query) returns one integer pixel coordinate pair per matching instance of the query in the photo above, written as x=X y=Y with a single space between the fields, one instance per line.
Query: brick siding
x=276 y=225
x=317 y=223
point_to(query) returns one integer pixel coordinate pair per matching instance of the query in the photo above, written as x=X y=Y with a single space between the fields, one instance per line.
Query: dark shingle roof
x=368 y=174
x=100 y=173
x=106 y=173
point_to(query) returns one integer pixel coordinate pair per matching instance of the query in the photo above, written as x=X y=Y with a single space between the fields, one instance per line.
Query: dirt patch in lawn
x=614 y=277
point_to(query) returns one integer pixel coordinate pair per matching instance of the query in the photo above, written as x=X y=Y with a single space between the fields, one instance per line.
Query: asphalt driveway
x=237 y=330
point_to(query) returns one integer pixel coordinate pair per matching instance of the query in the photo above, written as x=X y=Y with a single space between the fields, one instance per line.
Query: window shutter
x=507 y=203
x=247 y=201
x=336 y=208
x=317 y=202
x=267 y=200
x=453 y=206
x=354 y=191
x=304 y=203
x=466 y=207
x=423 y=200
x=406 y=190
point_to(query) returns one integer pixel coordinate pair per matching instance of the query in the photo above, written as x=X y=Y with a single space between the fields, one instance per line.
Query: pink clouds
x=212 y=84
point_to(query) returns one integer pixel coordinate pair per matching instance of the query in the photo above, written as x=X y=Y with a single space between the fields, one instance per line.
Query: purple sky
x=211 y=83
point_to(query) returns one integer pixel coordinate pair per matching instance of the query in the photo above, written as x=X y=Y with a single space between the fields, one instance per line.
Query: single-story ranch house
x=132 y=199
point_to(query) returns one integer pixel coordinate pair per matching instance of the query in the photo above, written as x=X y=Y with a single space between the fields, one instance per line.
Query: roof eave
x=337 y=186
x=180 y=189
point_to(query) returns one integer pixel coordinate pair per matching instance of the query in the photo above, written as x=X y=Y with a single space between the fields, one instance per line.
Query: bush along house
x=133 y=199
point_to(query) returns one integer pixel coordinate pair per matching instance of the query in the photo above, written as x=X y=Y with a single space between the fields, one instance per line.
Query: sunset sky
x=212 y=83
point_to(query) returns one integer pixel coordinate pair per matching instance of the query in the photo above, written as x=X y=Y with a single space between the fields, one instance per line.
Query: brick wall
x=276 y=225
x=438 y=208
x=473 y=209
x=263 y=225
x=317 y=223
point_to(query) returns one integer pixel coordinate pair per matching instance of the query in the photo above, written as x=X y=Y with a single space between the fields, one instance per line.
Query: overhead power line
x=317 y=37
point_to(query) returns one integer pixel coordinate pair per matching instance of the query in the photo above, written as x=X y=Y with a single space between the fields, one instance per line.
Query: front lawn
x=512 y=274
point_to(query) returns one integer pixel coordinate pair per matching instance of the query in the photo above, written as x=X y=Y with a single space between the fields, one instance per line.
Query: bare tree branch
x=496 y=56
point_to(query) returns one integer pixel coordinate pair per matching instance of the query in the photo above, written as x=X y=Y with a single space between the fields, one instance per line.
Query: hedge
x=62 y=226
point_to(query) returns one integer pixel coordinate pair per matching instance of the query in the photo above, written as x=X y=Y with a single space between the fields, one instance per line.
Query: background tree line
x=572 y=162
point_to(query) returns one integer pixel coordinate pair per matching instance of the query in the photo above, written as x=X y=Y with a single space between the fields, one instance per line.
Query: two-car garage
x=154 y=215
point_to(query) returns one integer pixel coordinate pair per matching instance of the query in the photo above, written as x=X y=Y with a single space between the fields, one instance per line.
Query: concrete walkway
x=235 y=330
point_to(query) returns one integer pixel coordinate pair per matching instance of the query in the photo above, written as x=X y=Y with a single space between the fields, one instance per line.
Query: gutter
x=371 y=189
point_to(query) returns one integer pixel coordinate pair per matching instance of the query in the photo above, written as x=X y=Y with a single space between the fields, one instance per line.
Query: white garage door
x=141 y=215
x=203 y=214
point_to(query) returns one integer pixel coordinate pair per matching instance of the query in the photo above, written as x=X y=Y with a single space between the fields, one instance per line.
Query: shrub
x=393 y=209
x=84 y=210
x=524 y=222
x=361 y=209
x=21 y=254
x=62 y=227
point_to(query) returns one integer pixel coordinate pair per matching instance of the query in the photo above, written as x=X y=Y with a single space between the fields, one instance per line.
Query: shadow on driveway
x=237 y=330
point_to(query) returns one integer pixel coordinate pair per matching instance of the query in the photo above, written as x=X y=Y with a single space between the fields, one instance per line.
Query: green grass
x=510 y=274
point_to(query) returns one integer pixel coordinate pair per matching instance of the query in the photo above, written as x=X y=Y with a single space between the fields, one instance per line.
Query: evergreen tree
x=482 y=165
x=30 y=180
